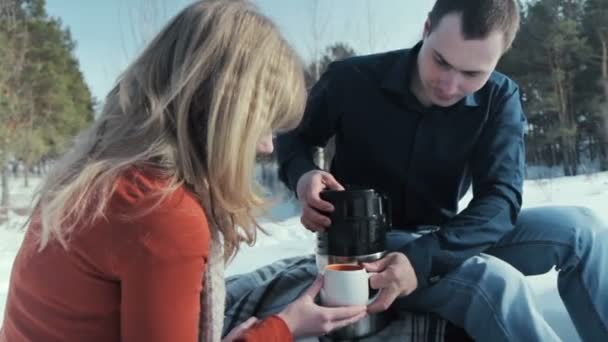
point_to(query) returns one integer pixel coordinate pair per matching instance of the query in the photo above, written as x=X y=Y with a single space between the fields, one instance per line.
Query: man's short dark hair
x=480 y=17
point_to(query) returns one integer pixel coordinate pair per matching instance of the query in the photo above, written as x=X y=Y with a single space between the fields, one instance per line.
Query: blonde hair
x=193 y=106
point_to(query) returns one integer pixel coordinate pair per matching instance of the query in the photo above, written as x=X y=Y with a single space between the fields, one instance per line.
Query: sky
x=110 y=33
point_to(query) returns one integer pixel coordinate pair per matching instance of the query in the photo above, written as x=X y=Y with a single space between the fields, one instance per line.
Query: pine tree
x=45 y=101
x=596 y=29
x=547 y=59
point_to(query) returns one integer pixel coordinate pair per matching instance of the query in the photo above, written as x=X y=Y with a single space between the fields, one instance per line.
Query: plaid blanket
x=269 y=289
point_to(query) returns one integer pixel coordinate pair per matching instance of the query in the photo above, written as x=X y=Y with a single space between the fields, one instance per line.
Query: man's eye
x=441 y=62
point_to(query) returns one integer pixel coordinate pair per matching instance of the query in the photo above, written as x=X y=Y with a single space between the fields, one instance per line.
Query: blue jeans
x=489 y=297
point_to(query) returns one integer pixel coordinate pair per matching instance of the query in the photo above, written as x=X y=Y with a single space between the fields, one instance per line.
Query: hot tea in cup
x=346 y=285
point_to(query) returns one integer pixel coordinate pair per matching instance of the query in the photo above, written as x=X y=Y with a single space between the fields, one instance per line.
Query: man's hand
x=308 y=188
x=396 y=277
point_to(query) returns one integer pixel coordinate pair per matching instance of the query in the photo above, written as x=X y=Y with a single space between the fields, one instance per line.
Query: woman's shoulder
x=138 y=188
x=171 y=225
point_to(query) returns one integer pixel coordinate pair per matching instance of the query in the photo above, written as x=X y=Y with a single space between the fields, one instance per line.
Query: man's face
x=451 y=67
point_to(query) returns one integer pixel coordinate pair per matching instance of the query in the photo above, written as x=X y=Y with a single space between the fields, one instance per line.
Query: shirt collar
x=397 y=78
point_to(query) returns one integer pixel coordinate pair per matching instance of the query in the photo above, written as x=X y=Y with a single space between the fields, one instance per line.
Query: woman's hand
x=305 y=318
x=240 y=329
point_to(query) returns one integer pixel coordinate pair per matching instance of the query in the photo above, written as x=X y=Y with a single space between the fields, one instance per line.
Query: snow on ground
x=288 y=238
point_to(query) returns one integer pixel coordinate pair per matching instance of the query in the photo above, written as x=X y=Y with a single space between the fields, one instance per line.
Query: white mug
x=346 y=285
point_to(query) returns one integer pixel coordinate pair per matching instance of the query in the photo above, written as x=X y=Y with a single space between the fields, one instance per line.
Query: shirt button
x=434 y=279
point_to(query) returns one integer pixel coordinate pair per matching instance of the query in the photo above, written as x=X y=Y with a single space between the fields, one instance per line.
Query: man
x=423 y=125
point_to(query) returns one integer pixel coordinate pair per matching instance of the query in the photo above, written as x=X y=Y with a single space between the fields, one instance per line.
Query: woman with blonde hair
x=132 y=228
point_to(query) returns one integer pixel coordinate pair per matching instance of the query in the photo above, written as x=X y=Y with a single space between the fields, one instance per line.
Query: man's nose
x=448 y=83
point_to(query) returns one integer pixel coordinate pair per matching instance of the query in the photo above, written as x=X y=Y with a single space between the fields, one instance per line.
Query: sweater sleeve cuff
x=281 y=327
x=271 y=329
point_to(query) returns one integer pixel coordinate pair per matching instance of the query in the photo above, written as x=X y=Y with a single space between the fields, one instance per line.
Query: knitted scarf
x=214 y=293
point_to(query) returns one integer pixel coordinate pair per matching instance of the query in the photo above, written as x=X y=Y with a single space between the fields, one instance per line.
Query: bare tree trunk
x=538 y=157
x=563 y=113
x=603 y=134
x=5 y=201
x=28 y=149
x=319 y=26
x=603 y=155
x=5 y=189
x=604 y=65
x=371 y=29
x=574 y=160
x=565 y=156
x=26 y=176
x=553 y=156
x=318 y=30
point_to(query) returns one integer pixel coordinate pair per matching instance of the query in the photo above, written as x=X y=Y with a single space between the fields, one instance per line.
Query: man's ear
x=427 y=28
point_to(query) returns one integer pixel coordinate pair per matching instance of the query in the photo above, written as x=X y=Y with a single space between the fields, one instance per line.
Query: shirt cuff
x=420 y=256
x=297 y=168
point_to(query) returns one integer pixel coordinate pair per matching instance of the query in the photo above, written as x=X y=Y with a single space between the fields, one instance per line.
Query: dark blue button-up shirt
x=424 y=158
